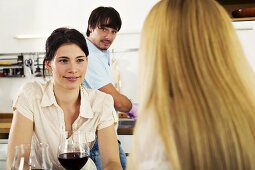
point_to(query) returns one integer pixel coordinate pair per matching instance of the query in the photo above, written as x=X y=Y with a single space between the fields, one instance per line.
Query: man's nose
x=109 y=35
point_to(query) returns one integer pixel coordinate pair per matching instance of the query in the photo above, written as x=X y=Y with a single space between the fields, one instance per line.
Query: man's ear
x=90 y=28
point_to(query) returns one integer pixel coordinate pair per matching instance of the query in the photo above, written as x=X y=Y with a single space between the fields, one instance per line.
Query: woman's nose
x=73 y=67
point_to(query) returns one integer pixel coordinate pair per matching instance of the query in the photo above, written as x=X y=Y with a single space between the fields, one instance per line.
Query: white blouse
x=37 y=102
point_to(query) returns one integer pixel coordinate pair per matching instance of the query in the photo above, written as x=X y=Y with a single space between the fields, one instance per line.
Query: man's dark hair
x=104 y=17
x=60 y=37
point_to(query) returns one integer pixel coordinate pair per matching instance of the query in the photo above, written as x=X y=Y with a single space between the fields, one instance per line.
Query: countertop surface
x=5 y=122
x=125 y=127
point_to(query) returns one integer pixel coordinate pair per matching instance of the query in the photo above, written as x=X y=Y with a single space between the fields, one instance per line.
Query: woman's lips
x=72 y=78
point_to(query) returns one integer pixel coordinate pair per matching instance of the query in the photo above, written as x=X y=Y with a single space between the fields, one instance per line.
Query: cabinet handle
x=244 y=29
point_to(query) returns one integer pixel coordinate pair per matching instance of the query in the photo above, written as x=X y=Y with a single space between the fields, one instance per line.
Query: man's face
x=102 y=37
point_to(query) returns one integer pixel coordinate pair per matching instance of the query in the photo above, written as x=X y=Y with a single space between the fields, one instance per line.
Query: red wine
x=73 y=160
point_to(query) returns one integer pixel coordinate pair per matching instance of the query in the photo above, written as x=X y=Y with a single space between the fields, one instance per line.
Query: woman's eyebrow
x=81 y=56
x=65 y=57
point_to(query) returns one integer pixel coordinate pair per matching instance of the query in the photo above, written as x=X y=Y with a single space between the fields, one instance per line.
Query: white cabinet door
x=246 y=33
x=126 y=142
x=3 y=153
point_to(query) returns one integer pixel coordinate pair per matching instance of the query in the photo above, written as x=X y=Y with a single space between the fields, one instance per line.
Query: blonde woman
x=198 y=105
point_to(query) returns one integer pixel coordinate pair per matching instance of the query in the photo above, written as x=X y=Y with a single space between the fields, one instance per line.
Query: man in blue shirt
x=103 y=26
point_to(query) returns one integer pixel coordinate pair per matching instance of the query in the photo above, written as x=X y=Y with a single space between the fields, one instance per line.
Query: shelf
x=231 y=2
x=243 y=19
x=23 y=53
x=21 y=76
x=8 y=66
x=11 y=65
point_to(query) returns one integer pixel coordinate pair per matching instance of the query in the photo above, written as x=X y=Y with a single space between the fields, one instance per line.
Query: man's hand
x=132 y=114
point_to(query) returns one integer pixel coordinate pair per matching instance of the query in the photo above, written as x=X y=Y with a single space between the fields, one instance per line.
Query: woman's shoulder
x=33 y=87
x=97 y=99
x=97 y=95
x=34 y=84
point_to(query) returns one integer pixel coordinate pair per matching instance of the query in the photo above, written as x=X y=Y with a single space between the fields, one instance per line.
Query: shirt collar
x=85 y=108
x=103 y=53
x=49 y=99
x=91 y=46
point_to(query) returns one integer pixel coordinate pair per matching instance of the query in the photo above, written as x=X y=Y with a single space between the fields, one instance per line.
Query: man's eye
x=102 y=28
x=80 y=60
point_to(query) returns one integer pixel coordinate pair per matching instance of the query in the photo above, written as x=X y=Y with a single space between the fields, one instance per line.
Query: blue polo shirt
x=98 y=72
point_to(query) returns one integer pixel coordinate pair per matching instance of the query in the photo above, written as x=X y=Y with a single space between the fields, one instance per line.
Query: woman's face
x=68 y=67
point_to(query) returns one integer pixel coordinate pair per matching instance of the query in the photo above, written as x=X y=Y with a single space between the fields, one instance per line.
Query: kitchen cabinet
x=126 y=143
x=3 y=152
x=5 y=122
x=246 y=33
x=125 y=133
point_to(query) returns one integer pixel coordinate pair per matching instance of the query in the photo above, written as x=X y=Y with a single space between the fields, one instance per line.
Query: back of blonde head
x=199 y=86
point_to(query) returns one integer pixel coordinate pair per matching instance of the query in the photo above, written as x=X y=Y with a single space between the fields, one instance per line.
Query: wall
x=25 y=25
x=22 y=20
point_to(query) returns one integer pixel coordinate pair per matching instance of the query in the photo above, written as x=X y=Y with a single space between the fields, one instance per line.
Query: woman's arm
x=108 y=147
x=20 y=133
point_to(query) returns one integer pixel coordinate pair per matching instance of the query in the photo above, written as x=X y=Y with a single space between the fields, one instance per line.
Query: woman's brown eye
x=63 y=61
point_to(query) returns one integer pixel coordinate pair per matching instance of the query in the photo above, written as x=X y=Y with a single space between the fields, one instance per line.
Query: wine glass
x=73 y=151
x=40 y=157
x=31 y=157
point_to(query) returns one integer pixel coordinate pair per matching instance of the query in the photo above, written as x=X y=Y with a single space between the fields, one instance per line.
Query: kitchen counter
x=125 y=132
x=5 y=122
x=125 y=127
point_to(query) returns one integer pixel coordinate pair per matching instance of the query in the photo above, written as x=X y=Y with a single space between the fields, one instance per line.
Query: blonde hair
x=199 y=86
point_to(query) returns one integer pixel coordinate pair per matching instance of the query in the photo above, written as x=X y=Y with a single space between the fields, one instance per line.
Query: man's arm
x=121 y=102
